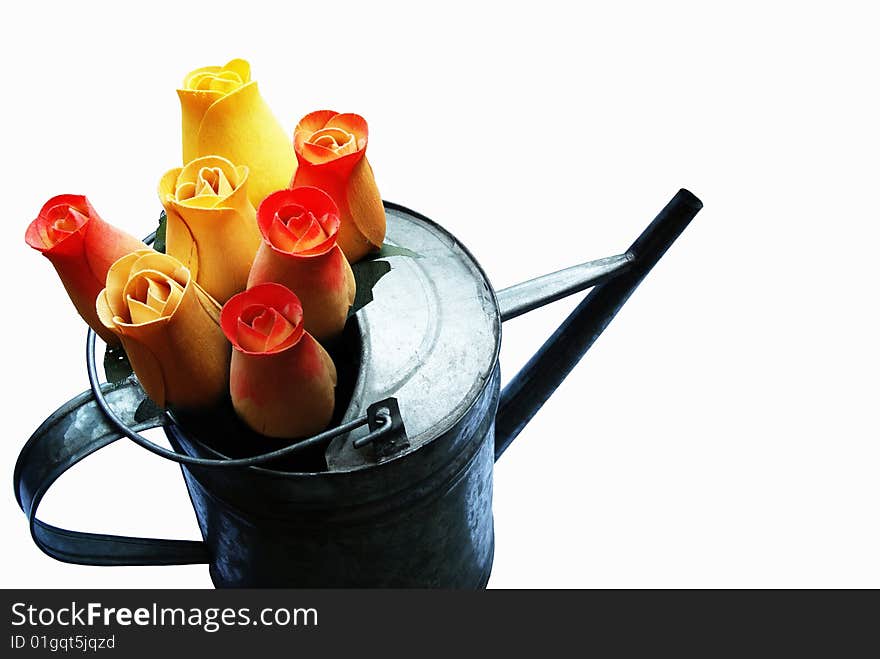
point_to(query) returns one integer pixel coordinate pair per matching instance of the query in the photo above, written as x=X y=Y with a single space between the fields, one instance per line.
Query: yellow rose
x=169 y=328
x=223 y=114
x=212 y=226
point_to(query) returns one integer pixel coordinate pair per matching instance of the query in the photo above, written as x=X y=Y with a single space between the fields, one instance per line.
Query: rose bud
x=331 y=152
x=281 y=380
x=299 y=251
x=212 y=225
x=82 y=247
x=223 y=114
x=169 y=328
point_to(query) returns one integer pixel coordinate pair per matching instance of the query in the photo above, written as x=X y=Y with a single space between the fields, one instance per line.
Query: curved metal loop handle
x=95 y=419
x=377 y=415
x=74 y=431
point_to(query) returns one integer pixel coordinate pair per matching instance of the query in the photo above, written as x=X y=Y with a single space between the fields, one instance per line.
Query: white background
x=722 y=432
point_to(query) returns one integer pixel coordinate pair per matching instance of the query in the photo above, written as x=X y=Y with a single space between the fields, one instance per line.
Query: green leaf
x=147 y=410
x=392 y=250
x=366 y=275
x=116 y=364
x=369 y=270
x=159 y=242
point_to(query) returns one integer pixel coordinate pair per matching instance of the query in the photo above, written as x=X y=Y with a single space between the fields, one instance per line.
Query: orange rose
x=281 y=380
x=82 y=247
x=212 y=225
x=299 y=251
x=169 y=328
x=331 y=152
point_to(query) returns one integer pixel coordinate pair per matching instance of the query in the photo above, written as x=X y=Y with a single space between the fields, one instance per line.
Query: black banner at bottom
x=125 y=623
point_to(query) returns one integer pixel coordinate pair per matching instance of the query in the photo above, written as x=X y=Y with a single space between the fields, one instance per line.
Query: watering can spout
x=614 y=279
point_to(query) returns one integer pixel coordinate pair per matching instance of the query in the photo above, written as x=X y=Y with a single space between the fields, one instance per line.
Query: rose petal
x=303 y=221
x=241 y=67
x=59 y=222
x=312 y=237
x=249 y=338
x=216 y=78
x=310 y=123
x=280 y=236
x=278 y=304
x=317 y=153
x=185 y=190
x=204 y=183
x=140 y=313
x=264 y=321
x=133 y=277
x=117 y=279
x=280 y=329
x=162 y=265
x=157 y=294
x=339 y=141
x=213 y=181
x=199 y=78
x=351 y=123
x=240 y=126
x=295 y=216
x=224 y=83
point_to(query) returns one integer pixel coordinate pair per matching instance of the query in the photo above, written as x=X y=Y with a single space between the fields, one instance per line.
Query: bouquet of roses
x=255 y=279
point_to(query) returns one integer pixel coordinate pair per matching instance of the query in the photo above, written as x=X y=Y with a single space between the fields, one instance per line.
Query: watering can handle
x=74 y=431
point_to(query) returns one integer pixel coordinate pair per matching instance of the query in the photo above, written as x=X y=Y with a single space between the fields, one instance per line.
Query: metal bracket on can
x=384 y=416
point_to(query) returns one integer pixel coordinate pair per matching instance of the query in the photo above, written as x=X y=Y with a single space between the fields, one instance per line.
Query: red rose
x=281 y=380
x=331 y=155
x=299 y=251
x=82 y=247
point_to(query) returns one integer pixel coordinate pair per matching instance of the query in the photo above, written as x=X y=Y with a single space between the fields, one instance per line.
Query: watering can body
x=418 y=516
x=411 y=510
x=421 y=521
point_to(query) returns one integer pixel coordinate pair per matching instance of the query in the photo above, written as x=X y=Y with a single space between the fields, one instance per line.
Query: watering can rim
x=532 y=386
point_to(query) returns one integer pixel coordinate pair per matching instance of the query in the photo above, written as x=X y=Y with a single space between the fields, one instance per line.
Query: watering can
x=398 y=492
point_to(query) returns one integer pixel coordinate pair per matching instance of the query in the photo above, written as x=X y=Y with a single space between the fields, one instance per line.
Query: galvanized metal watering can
x=399 y=492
